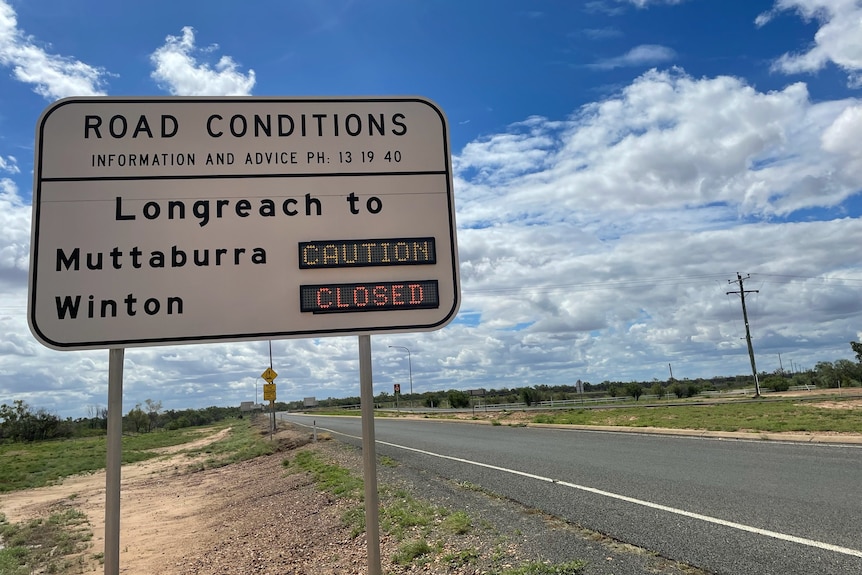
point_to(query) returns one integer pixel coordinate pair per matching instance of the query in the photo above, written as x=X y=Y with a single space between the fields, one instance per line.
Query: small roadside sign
x=269 y=392
x=269 y=375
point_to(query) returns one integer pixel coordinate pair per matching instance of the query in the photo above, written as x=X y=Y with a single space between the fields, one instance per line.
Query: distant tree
x=137 y=419
x=677 y=389
x=635 y=390
x=801 y=379
x=12 y=420
x=383 y=397
x=19 y=423
x=528 y=396
x=458 y=399
x=824 y=375
x=849 y=373
x=153 y=409
x=613 y=390
x=97 y=417
x=776 y=383
x=857 y=349
x=657 y=390
x=432 y=399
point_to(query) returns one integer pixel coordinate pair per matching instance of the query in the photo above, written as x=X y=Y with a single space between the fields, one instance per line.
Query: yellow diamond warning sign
x=269 y=375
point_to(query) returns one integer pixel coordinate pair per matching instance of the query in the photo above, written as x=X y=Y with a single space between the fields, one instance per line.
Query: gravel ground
x=265 y=519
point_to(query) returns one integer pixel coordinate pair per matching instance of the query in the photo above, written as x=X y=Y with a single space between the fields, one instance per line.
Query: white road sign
x=161 y=221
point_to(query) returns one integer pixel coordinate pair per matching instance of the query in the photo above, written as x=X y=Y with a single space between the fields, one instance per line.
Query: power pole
x=742 y=292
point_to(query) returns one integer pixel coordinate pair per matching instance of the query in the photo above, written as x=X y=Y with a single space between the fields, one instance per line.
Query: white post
x=369 y=457
x=114 y=461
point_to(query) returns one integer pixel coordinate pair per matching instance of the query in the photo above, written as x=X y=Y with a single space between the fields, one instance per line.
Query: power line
x=600 y=285
x=815 y=278
x=635 y=283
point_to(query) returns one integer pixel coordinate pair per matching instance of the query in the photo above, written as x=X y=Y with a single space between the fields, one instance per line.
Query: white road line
x=651 y=505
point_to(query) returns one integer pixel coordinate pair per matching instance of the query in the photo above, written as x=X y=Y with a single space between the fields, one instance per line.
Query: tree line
x=20 y=422
x=825 y=374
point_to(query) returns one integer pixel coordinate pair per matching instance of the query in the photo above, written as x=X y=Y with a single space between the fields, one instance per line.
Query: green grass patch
x=457 y=523
x=400 y=513
x=245 y=441
x=46 y=545
x=461 y=558
x=331 y=478
x=766 y=416
x=27 y=465
x=410 y=551
x=569 y=568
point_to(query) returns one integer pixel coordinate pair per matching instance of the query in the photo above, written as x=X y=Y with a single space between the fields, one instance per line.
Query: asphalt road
x=726 y=506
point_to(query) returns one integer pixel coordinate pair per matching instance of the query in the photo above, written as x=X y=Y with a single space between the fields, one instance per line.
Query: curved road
x=726 y=506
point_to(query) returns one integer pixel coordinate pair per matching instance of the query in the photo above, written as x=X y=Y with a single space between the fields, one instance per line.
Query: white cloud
x=53 y=76
x=643 y=55
x=524 y=148
x=645 y=3
x=670 y=142
x=9 y=164
x=613 y=8
x=613 y=234
x=842 y=138
x=14 y=233
x=602 y=33
x=592 y=247
x=838 y=39
x=178 y=71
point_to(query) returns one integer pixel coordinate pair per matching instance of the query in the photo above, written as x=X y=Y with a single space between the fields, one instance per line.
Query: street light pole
x=409 y=370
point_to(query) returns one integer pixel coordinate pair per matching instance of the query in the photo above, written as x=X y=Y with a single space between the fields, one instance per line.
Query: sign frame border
x=393 y=327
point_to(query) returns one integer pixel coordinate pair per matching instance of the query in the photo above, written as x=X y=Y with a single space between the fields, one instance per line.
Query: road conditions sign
x=185 y=220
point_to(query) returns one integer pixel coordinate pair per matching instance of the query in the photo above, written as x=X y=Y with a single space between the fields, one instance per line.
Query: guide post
x=114 y=461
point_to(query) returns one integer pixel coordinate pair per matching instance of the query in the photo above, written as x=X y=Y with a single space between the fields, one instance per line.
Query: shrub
x=635 y=390
x=776 y=383
x=458 y=523
x=458 y=399
x=410 y=551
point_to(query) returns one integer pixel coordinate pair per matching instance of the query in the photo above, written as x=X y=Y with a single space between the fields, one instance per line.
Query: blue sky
x=616 y=163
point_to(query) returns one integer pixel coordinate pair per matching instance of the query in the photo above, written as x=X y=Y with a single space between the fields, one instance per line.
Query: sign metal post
x=113 y=461
x=369 y=457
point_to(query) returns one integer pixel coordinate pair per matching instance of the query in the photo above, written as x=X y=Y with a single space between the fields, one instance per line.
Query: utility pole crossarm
x=742 y=291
